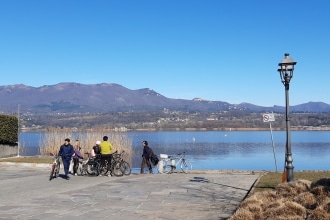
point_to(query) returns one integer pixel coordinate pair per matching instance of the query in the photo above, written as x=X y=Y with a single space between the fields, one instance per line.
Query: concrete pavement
x=27 y=193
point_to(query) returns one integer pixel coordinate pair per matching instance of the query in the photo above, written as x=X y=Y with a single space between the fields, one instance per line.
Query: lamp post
x=286 y=73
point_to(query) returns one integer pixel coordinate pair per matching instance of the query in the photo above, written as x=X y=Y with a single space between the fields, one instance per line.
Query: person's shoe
x=76 y=174
x=109 y=175
x=67 y=177
x=100 y=174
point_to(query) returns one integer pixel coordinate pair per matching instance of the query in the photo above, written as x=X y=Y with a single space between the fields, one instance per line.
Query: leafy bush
x=8 y=129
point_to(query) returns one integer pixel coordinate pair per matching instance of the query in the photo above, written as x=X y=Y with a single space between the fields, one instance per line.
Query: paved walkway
x=26 y=193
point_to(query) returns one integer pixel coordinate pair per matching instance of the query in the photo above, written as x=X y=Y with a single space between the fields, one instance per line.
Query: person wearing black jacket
x=146 y=155
x=66 y=152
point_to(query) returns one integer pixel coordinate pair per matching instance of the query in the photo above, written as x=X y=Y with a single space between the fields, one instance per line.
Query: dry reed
x=295 y=200
x=54 y=138
x=307 y=199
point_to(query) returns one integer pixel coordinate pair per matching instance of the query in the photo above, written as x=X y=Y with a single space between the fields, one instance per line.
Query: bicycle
x=55 y=169
x=118 y=167
x=88 y=166
x=92 y=166
x=103 y=168
x=168 y=164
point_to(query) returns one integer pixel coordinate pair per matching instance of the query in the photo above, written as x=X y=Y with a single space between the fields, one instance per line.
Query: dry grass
x=307 y=198
x=25 y=159
x=54 y=138
x=271 y=179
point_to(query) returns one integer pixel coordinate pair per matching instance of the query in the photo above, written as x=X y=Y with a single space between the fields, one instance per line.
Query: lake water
x=215 y=150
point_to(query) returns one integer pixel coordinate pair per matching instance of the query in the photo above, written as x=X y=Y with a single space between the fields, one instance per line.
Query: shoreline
x=293 y=128
x=199 y=171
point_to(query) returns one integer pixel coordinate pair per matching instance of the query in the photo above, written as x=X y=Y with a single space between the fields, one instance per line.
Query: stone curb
x=225 y=171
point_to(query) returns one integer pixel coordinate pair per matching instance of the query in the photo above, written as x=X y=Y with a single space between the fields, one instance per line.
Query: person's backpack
x=154 y=159
x=97 y=149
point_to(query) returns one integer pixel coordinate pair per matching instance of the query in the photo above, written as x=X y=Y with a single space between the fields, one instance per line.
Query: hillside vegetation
x=176 y=120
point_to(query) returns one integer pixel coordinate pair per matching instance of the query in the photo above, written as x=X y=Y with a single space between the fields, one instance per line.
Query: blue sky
x=213 y=49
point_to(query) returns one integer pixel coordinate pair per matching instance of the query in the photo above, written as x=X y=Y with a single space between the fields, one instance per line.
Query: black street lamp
x=286 y=73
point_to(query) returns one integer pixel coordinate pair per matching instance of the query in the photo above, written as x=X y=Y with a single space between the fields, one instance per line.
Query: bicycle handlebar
x=181 y=155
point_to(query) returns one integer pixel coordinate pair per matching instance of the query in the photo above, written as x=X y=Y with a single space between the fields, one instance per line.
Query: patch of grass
x=272 y=179
x=28 y=159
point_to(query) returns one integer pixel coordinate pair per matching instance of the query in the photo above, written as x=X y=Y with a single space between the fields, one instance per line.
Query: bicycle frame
x=119 y=166
x=55 y=169
x=93 y=166
x=82 y=169
x=169 y=163
x=90 y=166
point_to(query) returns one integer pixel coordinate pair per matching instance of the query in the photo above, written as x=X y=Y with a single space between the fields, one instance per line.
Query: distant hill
x=316 y=107
x=109 y=97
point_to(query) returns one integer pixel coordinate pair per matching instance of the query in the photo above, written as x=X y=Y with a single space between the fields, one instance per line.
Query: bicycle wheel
x=80 y=170
x=52 y=172
x=92 y=169
x=104 y=169
x=97 y=167
x=168 y=168
x=185 y=166
x=117 y=169
x=126 y=167
x=84 y=169
x=161 y=166
x=57 y=170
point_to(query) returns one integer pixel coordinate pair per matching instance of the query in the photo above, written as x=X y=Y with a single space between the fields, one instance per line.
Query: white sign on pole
x=268 y=117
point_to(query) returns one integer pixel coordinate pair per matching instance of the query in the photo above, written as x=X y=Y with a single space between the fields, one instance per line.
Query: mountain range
x=110 y=97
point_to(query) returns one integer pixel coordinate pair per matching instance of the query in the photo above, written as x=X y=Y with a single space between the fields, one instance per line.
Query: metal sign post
x=18 y=130
x=269 y=118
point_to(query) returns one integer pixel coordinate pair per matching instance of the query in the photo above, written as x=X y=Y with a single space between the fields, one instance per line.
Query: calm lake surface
x=215 y=150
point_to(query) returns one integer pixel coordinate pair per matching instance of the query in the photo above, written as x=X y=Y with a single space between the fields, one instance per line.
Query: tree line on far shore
x=176 y=120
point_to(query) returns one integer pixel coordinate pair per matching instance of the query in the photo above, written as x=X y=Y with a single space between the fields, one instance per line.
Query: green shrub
x=8 y=129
